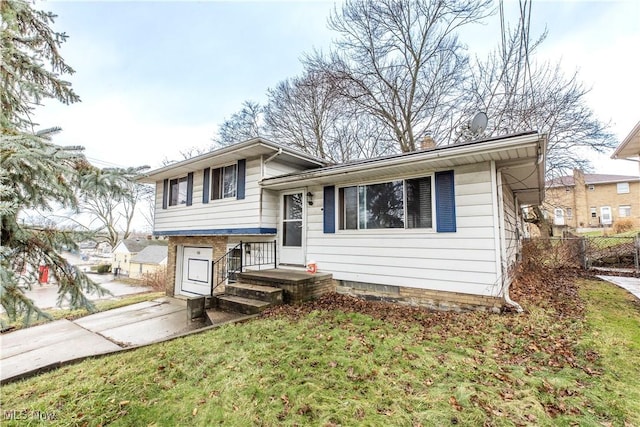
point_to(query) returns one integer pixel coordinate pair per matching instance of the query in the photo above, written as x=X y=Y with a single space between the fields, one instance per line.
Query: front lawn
x=572 y=359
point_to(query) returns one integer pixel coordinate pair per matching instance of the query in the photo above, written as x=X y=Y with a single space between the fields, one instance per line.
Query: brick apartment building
x=592 y=200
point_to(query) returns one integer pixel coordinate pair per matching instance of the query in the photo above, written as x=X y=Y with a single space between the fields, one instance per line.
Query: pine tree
x=34 y=172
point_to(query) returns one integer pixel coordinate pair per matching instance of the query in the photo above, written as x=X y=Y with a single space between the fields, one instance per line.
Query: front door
x=293 y=230
x=605 y=215
x=196 y=270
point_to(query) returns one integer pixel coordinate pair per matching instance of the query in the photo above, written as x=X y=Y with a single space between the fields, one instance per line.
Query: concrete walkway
x=40 y=348
x=631 y=284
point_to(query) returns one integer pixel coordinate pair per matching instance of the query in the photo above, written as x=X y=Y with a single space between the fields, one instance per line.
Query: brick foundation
x=433 y=300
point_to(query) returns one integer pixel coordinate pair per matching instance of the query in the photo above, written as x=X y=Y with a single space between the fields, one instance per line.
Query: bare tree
x=518 y=94
x=401 y=61
x=242 y=125
x=307 y=113
x=112 y=213
x=148 y=208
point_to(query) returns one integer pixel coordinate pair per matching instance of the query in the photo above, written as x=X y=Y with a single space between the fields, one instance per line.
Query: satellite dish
x=478 y=123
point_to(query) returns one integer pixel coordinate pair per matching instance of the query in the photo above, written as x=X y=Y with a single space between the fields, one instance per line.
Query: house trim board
x=217 y=231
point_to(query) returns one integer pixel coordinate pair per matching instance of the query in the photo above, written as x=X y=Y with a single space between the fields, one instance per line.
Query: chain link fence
x=609 y=253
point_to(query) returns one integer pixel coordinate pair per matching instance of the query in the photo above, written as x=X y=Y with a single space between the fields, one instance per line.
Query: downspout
x=506 y=283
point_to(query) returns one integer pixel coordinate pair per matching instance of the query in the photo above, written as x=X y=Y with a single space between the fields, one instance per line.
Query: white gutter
x=446 y=152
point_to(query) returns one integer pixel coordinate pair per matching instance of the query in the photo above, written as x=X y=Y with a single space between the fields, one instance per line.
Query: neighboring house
x=592 y=200
x=148 y=261
x=440 y=226
x=127 y=249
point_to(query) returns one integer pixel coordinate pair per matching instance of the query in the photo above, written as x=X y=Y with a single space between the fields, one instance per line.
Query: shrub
x=622 y=225
x=156 y=280
x=103 y=268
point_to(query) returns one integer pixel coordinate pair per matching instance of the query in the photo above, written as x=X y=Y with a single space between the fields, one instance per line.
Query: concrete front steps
x=255 y=291
x=247 y=298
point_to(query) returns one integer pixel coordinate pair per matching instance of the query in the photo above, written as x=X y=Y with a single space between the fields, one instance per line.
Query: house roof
x=591 y=179
x=137 y=245
x=251 y=148
x=522 y=155
x=630 y=147
x=153 y=254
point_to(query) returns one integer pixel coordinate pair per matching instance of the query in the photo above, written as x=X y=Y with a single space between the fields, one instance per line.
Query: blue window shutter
x=329 y=212
x=165 y=193
x=242 y=172
x=189 y=188
x=206 y=176
x=445 y=202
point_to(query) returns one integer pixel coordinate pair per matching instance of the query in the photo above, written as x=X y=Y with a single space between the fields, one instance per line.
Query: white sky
x=156 y=77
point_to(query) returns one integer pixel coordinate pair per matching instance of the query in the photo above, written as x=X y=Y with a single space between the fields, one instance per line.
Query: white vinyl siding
x=217 y=214
x=512 y=229
x=270 y=198
x=463 y=261
x=259 y=208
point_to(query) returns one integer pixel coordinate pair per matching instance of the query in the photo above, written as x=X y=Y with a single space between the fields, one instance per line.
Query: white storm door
x=196 y=270
x=558 y=216
x=293 y=229
x=605 y=215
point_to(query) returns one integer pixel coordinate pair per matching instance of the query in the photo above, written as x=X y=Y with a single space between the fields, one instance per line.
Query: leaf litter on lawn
x=541 y=341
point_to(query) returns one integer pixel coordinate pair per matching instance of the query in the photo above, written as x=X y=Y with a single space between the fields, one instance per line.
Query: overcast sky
x=157 y=76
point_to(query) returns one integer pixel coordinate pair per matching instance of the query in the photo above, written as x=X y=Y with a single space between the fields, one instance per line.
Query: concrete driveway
x=47 y=346
x=46 y=295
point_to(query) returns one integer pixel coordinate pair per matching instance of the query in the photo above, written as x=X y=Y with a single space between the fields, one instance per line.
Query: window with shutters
x=224 y=183
x=395 y=204
x=178 y=191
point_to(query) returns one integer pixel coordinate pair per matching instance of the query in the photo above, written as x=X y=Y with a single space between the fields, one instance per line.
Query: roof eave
x=187 y=165
x=630 y=147
x=298 y=179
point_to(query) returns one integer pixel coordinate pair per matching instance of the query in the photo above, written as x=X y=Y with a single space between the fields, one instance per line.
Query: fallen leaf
x=454 y=402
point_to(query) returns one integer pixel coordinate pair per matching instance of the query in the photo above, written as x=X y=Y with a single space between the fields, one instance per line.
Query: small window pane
x=292 y=233
x=381 y=205
x=624 y=211
x=623 y=187
x=293 y=206
x=348 y=208
x=419 y=203
x=178 y=191
x=230 y=179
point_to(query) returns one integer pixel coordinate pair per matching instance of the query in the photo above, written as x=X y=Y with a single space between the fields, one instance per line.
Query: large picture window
x=178 y=191
x=395 y=204
x=225 y=182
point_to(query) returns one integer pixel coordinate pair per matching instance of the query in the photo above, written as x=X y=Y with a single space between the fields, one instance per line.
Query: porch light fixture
x=310 y=198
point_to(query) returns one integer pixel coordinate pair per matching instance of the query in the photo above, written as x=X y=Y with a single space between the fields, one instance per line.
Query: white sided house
x=439 y=227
